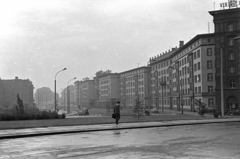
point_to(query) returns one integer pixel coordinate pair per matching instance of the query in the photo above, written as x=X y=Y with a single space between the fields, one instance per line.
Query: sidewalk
x=17 y=133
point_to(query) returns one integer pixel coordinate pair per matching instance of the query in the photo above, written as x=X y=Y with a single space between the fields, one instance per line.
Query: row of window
x=185 y=70
x=162 y=65
x=197 y=78
x=104 y=82
x=232 y=84
x=196 y=54
x=132 y=84
x=105 y=87
x=84 y=86
x=197 y=66
x=104 y=92
x=129 y=96
x=132 y=90
x=131 y=78
x=133 y=73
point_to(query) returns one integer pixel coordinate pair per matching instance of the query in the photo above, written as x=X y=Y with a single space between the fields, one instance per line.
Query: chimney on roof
x=181 y=43
x=16 y=77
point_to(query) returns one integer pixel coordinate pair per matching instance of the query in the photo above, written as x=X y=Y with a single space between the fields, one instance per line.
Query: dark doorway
x=232 y=104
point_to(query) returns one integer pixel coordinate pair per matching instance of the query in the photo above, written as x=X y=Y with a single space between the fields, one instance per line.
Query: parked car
x=155 y=110
x=83 y=111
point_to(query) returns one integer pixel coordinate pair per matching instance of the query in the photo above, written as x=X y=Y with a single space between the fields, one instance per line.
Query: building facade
x=108 y=92
x=134 y=85
x=227 y=44
x=77 y=85
x=86 y=89
x=183 y=75
x=9 y=90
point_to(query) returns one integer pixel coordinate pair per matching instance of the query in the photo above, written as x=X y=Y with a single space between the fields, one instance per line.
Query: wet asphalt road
x=208 y=141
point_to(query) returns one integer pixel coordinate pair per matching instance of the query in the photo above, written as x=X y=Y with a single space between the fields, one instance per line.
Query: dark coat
x=117 y=109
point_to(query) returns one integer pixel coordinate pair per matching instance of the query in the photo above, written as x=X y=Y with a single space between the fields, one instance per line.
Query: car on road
x=60 y=112
x=83 y=111
x=155 y=110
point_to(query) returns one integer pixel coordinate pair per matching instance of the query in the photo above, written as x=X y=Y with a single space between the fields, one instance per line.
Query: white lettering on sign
x=230 y=4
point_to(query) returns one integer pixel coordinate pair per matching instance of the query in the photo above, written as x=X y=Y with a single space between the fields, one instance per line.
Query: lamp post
x=170 y=69
x=58 y=95
x=149 y=83
x=68 y=95
x=156 y=87
x=182 y=91
x=222 y=95
x=162 y=83
x=55 y=95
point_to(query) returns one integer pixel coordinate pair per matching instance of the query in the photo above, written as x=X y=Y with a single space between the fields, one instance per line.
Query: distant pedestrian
x=116 y=112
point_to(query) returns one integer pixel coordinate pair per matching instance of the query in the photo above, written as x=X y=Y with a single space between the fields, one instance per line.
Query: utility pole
x=222 y=93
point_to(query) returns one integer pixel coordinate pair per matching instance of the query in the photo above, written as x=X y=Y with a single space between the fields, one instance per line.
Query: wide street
x=220 y=141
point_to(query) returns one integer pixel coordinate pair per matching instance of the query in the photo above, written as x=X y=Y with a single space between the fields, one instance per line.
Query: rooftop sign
x=230 y=4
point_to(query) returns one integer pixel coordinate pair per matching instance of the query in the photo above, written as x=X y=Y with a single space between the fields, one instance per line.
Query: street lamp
x=149 y=83
x=162 y=83
x=156 y=87
x=55 y=95
x=170 y=69
x=182 y=91
x=68 y=95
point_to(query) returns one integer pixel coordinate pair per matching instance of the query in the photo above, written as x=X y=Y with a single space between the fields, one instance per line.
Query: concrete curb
x=20 y=133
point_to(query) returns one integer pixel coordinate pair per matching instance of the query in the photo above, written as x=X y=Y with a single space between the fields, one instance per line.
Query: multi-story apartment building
x=134 y=85
x=184 y=74
x=86 y=89
x=9 y=90
x=65 y=97
x=227 y=46
x=77 y=85
x=107 y=90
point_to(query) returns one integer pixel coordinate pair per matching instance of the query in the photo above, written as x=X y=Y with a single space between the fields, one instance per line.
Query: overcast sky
x=40 y=37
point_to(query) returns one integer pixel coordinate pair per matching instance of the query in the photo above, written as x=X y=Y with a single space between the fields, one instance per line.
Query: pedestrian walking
x=116 y=112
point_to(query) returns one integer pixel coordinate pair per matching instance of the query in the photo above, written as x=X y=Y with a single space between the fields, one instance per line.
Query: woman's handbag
x=113 y=116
